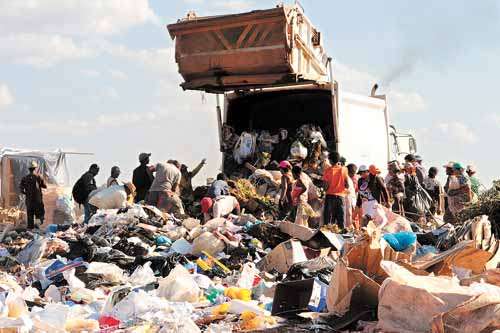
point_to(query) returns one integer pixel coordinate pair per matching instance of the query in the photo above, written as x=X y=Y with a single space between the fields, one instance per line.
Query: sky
x=99 y=76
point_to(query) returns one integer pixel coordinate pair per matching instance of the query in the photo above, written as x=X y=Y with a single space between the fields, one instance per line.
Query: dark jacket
x=31 y=186
x=89 y=183
x=142 y=179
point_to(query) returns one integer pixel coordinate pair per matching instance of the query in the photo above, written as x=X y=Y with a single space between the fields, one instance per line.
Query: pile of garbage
x=140 y=270
x=261 y=148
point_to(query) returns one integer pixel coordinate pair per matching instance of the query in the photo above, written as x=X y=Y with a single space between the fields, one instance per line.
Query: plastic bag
x=209 y=243
x=245 y=147
x=77 y=325
x=181 y=246
x=142 y=275
x=52 y=294
x=110 y=272
x=400 y=241
x=298 y=150
x=248 y=276
x=179 y=286
x=190 y=223
x=32 y=252
x=52 y=318
x=16 y=305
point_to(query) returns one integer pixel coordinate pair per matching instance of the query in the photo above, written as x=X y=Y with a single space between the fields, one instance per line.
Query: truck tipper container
x=274 y=73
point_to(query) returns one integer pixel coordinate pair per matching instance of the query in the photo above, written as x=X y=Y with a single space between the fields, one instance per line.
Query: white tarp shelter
x=14 y=164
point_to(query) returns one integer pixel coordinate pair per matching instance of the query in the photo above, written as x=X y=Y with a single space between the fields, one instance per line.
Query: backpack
x=79 y=192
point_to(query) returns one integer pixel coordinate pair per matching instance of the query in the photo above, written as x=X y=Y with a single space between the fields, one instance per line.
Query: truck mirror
x=413 y=145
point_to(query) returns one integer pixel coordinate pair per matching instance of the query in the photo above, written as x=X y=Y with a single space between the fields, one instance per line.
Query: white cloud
x=118 y=75
x=90 y=73
x=83 y=18
x=357 y=81
x=458 y=131
x=6 y=98
x=40 y=50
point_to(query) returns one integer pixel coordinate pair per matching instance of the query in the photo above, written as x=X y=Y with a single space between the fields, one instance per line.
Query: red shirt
x=336 y=177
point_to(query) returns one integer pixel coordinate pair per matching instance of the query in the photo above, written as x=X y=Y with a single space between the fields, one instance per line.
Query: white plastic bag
x=142 y=275
x=247 y=276
x=209 y=243
x=298 y=150
x=110 y=272
x=179 y=286
x=245 y=147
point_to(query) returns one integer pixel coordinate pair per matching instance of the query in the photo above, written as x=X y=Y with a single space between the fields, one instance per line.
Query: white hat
x=362 y=168
x=33 y=165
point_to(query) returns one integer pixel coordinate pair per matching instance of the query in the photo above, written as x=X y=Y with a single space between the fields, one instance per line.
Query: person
x=372 y=190
x=421 y=170
x=435 y=190
x=163 y=191
x=366 y=200
x=218 y=187
x=448 y=216
x=88 y=185
x=142 y=177
x=300 y=197
x=31 y=186
x=282 y=148
x=113 y=179
x=335 y=178
x=459 y=191
x=417 y=200
x=186 y=184
x=222 y=206
x=395 y=186
x=112 y=197
x=286 y=185
x=474 y=181
x=352 y=195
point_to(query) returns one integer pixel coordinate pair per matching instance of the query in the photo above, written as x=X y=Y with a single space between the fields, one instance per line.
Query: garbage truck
x=272 y=69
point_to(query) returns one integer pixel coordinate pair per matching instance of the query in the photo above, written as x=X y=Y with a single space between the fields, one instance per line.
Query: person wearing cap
x=448 y=216
x=286 y=184
x=219 y=207
x=31 y=186
x=459 y=191
x=336 y=182
x=186 y=184
x=372 y=190
x=113 y=179
x=113 y=197
x=415 y=206
x=143 y=177
x=474 y=181
x=164 y=191
x=421 y=170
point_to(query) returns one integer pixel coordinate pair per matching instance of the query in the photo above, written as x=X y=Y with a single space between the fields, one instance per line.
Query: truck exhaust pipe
x=374 y=90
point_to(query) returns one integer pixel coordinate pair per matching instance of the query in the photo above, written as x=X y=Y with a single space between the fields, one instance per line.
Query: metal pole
x=219 y=121
x=335 y=114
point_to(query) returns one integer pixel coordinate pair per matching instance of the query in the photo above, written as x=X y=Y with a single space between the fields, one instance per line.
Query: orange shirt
x=336 y=176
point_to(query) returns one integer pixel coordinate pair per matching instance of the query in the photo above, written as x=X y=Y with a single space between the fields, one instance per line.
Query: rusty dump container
x=255 y=49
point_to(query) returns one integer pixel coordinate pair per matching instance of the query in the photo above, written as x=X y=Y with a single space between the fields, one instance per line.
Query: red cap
x=206 y=204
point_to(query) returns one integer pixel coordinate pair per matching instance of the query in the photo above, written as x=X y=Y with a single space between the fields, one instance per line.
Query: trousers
x=334 y=210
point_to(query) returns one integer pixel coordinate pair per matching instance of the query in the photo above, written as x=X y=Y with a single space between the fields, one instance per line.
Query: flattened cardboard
x=283 y=256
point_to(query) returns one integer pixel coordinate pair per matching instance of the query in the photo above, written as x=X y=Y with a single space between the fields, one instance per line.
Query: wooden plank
x=243 y=35
x=252 y=37
x=224 y=26
x=264 y=34
x=223 y=40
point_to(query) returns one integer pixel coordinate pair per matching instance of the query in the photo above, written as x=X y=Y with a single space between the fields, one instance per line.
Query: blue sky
x=99 y=76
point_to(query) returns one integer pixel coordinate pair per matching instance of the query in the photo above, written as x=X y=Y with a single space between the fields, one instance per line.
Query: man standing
x=113 y=179
x=163 y=191
x=335 y=178
x=31 y=186
x=474 y=181
x=186 y=184
x=82 y=189
x=417 y=162
x=142 y=177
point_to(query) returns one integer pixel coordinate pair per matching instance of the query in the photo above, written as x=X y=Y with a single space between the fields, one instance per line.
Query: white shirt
x=112 y=197
x=224 y=205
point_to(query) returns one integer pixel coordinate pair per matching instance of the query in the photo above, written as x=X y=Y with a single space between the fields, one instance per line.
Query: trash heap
x=261 y=147
x=139 y=270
